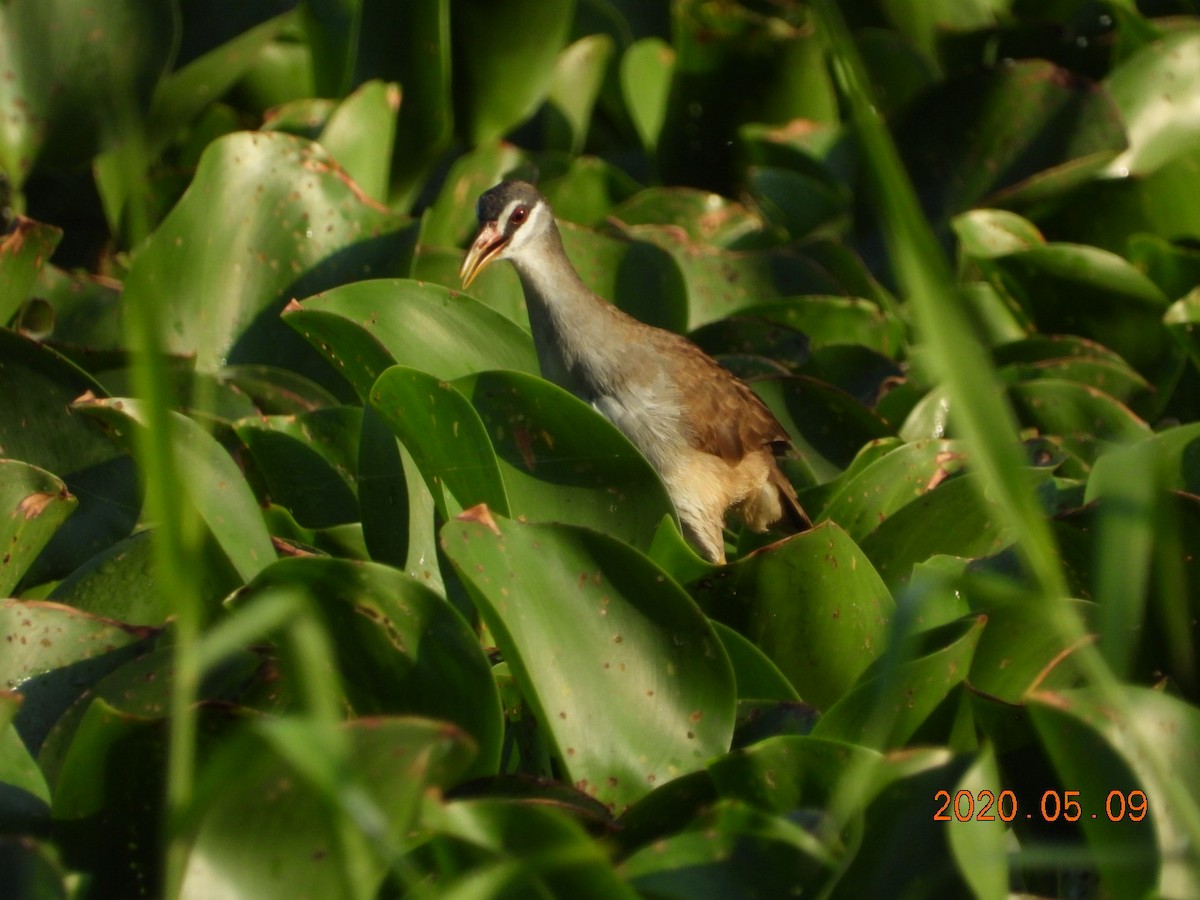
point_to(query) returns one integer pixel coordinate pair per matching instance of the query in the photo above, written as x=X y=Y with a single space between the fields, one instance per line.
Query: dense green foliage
x=319 y=590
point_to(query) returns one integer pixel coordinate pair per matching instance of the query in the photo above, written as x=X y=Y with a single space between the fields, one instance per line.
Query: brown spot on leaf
x=480 y=514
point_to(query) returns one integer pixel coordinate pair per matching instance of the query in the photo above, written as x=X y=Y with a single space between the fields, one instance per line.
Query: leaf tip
x=481 y=514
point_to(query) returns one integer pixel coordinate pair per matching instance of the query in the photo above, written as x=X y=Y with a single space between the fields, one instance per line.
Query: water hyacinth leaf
x=214 y=484
x=953 y=519
x=826 y=425
x=38 y=426
x=53 y=654
x=784 y=774
x=24 y=250
x=1114 y=378
x=360 y=133
x=308 y=462
x=1022 y=650
x=397 y=507
x=836 y=320
x=514 y=836
x=637 y=276
x=899 y=838
x=1080 y=290
x=585 y=190
x=264 y=830
x=987 y=233
x=214 y=52
x=616 y=662
x=1104 y=750
x=277 y=392
x=646 y=69
x=524 y=44
x=980 y=845
x=102 y=820
x=886 y=707
x=796 y=202
x=757 y=677
x=25 y=800
x=1040 y=133
x=421 y=326
x=402 y=649
x=884 y=485
x=1181 y=319
x=84 y=84
x=562 y=461
x=732 y=849
x=813 y=604
x=705 y=217
x=446 y=438
x=1085 y=419
x=33 y=504
x=1153 y=90
x=450 y=221
x=578 y=76
x=303 y=226
x=721 y=282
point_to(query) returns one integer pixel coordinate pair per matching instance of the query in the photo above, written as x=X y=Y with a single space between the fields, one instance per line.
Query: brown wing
x=727 y=418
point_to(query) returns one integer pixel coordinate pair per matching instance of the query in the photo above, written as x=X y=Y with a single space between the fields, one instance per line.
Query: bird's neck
x=567 y=319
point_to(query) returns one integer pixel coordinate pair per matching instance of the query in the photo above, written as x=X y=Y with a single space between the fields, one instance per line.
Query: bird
x=712 y=440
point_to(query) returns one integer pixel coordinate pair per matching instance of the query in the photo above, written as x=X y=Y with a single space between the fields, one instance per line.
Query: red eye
x=519 y=215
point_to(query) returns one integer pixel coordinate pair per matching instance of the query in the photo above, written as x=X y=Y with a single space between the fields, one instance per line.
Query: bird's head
x=511 y=216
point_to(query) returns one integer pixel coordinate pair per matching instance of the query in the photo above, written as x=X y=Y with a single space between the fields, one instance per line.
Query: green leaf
x=783 y=774
x=1085 y=419
x=636 y=275
x=563 y=461
x=360 y=133
x=953 y=520
x=733 y=850
x=1040 y=133
x=268 y=217
x=530 y=850
x=886 y=708
x=77 y=83
x=25 y=797
x=705 y=217
x=308 y=462
x=53 y=654
x=836 y=320
x=578 y=76
x=646 y=69
x=446 y=437
x=757 y=677
x=38 y=426
x=24 y=250
x=102 y=821
x=1069 y=289
x=813 y=604
x=979 y=845
x=212 y=481
x=885 y=484
x=1021 y=650
x=523 y=44
x=262 y=829
x=1106 y=752
x=721 y=282
x=401 y=648
x=1153 y=90
x=826 y=425
x=33 y=504
x=366 y=327
x=617 y=664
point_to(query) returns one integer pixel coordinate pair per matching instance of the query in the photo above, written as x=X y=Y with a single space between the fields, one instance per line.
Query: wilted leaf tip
x=481 y=514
